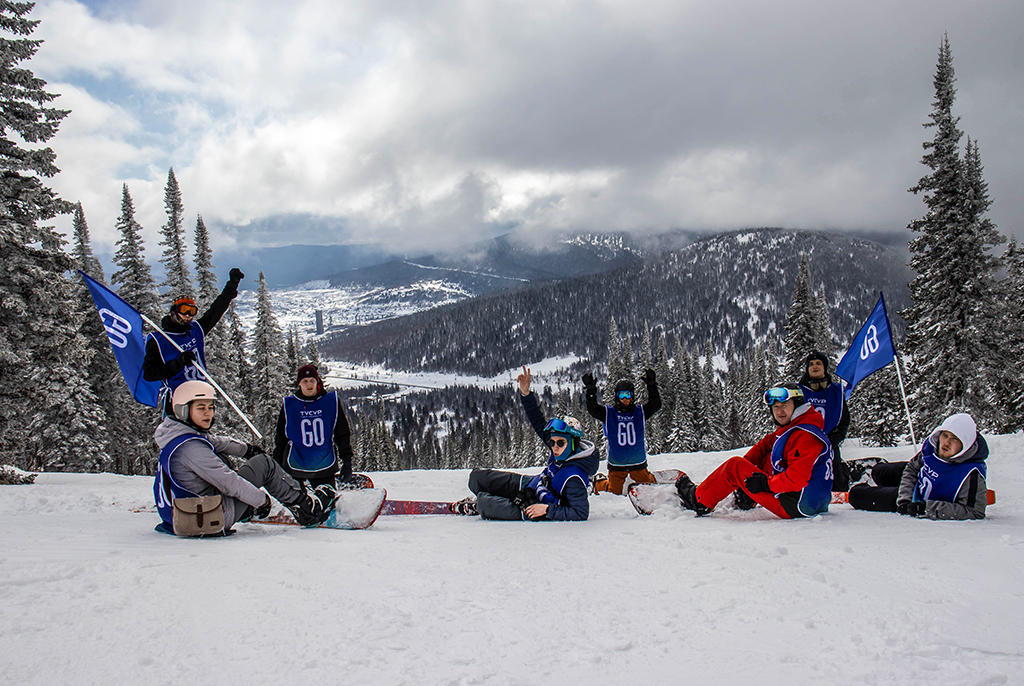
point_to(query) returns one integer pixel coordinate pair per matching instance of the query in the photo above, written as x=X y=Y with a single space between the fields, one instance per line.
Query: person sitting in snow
x=789 y=471
x=192 y=465
x=828 y=398
x=945 y=480
x=558 y=493
x=624 y=424
x=313 y=442
x=172 y=367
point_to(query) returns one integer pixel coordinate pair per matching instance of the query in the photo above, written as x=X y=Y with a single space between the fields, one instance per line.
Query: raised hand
x=524 y=381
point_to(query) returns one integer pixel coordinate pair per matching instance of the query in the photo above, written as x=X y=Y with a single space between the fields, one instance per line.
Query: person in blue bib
x=193 y=463
x=945 y=480
x=828 y=399
x=313 y=442
x=624 y=425
x=172 y=367
x=788 y=472
x=558 y=493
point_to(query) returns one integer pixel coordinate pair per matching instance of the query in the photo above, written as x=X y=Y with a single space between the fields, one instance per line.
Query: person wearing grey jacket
x=945 y=480
x=193 y=463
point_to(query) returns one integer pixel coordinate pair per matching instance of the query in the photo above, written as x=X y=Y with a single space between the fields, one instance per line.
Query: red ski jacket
x=802 y=449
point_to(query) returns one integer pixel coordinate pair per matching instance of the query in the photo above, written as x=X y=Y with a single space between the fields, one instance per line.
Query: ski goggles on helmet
x=780 y=394
x=185 y=306
x=624 y=395
x=569 y=426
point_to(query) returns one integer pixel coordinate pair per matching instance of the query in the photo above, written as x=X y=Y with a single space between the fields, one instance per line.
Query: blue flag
x=871 y=350
x=124 y=329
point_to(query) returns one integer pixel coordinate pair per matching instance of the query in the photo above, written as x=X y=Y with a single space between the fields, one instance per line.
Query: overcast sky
x=425 y=122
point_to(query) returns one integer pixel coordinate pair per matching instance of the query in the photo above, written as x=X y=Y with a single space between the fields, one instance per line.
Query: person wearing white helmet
x=193 y=463
x=558 y=493
x=945 y=480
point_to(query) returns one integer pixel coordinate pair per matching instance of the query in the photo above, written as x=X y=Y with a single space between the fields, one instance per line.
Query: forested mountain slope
x=733 y=288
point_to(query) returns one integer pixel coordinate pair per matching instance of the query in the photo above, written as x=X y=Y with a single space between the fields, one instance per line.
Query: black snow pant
x=840 y=472
x=494 y=490
x=262 y=472
x=882 y=497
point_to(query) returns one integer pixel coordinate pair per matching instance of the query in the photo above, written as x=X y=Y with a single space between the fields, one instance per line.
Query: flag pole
x=207 y=375
x=906 y=406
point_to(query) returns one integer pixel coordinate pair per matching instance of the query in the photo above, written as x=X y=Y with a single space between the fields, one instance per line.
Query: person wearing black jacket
x=829 y=400
x=624 y=424
x=313 y=442
x=163 y=361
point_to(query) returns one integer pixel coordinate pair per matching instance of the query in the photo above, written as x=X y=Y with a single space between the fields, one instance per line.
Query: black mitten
x=757 y=483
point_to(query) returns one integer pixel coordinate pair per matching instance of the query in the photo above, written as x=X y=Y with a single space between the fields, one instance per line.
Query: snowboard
x=646 y=498
x=662 y=476
x=417 y=507
x=354 y=509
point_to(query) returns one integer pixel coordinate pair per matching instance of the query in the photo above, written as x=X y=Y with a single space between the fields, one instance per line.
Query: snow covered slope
x=90 y=594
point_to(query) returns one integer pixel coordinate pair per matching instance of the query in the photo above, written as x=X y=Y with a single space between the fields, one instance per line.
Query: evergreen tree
x=206 y=278
x=616 y=366
x=314 y=358
x=880 y=420
x=134 y=279
x=178 y=280
x=950 y=325
x=801 y=322
x=268 y=363
x=1011 y=381
x=48 y=414
x=822 y=329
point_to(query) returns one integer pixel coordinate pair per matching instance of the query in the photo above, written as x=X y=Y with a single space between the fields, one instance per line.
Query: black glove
x=757 y=483
x=263 y=511
x=235 y=276
x=589 y=381
x=524 y=498
x=917 y=509
x=649 y=377
x=252 y=451
x=903 y=507
x=185 y=359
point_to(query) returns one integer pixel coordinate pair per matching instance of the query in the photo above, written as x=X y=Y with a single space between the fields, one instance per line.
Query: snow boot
x=313 y=505
x=687 y=491
x=742 y=501
x=466 y=506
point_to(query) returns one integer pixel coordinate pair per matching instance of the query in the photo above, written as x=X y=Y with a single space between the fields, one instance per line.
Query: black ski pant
x=262 y=472
x=494 y=490
x=840 y=472
x=882 y=497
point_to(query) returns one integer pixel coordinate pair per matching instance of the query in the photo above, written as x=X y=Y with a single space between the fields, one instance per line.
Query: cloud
x=435 y=122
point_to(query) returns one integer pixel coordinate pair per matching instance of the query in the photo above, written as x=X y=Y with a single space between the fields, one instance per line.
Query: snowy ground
x=90 y=594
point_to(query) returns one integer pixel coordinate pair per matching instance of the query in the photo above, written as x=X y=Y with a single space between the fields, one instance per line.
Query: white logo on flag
x=116 y=328
x=870 y=346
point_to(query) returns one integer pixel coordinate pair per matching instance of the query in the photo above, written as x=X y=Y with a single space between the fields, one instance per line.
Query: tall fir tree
x=133 y=280
x=1011 y=382
x=177 y=280
x=801 y=321
x=48 y=413
x=268 y=364
x=206 y=277
x=950 y=325
x=616 y=366
x=823 y=342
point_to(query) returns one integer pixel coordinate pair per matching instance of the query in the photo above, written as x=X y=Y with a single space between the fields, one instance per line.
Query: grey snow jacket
x=204 y=472
x=971 y=499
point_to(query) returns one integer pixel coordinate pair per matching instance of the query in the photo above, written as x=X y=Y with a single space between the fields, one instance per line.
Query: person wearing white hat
x=945 y=480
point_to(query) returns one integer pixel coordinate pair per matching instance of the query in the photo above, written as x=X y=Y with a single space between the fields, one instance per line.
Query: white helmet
x=186 y=393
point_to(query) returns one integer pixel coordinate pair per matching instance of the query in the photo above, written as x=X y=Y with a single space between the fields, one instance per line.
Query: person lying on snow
x=191 y=466
x=789 y=471
x=559 y=492
x=945 y=480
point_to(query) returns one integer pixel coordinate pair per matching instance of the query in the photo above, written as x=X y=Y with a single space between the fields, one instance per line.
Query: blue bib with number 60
x=309 y=427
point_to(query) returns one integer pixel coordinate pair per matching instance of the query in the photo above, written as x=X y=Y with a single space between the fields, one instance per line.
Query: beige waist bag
x=198 y=516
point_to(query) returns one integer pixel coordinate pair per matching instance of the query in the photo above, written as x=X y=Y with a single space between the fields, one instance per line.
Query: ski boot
x=687 y=491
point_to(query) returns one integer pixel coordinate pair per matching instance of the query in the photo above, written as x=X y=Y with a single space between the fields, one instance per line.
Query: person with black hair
x=829 y=399
x=624 y=425
x=789 y=471
x=313 y=441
